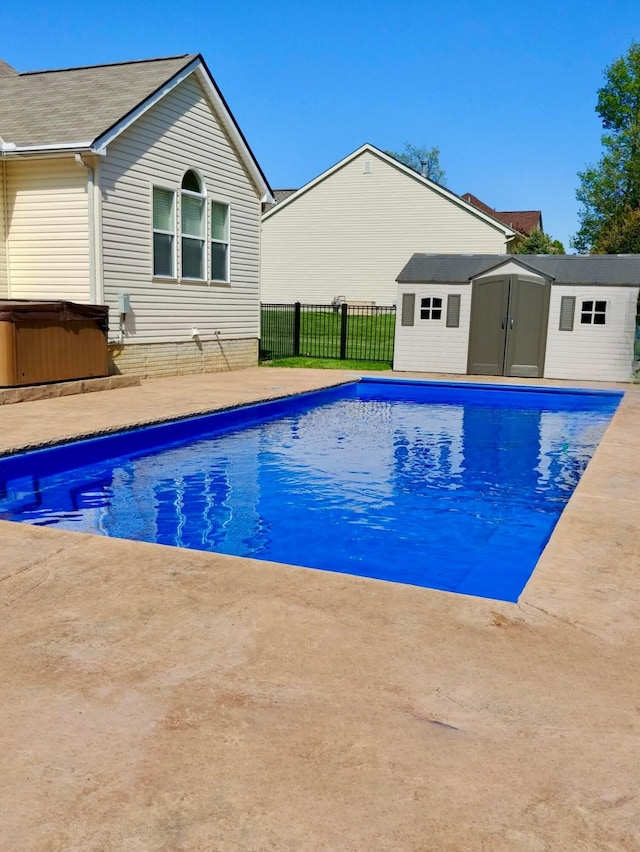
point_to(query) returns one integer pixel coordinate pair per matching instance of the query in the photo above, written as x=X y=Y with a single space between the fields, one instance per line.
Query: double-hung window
x=164 y=232
x=194 y=227
x=219 y=241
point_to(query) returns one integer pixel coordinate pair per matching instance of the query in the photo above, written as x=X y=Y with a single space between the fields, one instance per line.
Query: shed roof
x=562 y=268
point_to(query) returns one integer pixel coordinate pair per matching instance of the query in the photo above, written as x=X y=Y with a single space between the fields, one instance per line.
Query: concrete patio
x=164 y=699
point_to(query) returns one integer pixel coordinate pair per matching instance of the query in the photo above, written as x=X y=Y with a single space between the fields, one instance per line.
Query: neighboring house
x=551 y=316
x=522 y=221
x=344 y=235
x=132 y=185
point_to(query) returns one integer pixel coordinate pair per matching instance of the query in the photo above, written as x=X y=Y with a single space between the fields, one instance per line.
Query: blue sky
x=506 y=91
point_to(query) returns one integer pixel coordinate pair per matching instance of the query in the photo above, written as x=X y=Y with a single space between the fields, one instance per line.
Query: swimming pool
x=449 y=486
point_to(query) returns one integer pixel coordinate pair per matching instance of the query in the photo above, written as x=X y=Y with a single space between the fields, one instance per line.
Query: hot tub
x=51 y=341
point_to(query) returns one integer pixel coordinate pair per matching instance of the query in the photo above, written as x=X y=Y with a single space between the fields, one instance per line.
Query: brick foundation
x=152 y=360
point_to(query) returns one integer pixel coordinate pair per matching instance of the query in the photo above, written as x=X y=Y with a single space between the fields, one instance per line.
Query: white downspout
x=93 y=295
x=4 y=189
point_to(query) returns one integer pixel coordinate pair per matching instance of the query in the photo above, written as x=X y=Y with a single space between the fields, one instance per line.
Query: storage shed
x=551 y=316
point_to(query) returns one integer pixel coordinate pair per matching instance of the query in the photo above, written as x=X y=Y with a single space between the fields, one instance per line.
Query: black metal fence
x=354 y=332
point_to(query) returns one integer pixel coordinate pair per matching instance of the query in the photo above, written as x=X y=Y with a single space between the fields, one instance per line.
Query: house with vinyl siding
x=344 y=235
x=132 y=185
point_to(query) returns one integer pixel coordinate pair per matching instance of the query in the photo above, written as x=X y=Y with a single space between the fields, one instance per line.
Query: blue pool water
x=449 y=486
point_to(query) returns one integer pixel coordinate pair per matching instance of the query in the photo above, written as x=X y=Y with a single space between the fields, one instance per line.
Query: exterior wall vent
x=453 y=310
x=366 y=167
x=408 y=309
x=567 y=311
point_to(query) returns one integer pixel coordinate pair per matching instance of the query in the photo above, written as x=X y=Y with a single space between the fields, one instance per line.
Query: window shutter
x=453 y=310
x=408 y=308
x=567 y=310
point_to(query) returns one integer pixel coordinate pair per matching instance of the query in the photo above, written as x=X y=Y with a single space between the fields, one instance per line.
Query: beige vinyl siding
x=47 y=230
x=428 y=345
x=4 y=282
x=598 y=352
x=352 y=233
x=179 y=133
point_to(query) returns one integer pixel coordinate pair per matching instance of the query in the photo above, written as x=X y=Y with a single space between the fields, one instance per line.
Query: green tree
x=425 y=161
x=539 y=243
x=621 y=234
x=610 y=191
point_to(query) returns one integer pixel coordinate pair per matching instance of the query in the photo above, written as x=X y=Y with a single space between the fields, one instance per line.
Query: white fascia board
x=231 y=128
x=317 y=180
x=371 y=149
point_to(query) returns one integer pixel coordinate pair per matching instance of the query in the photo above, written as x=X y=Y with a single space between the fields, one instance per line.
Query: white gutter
x=7 y=148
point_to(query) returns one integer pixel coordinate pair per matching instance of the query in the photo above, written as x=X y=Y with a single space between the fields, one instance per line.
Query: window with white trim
x=219 y=241
x=431 y=308
x=164 y=232
x=193 y=220
x=593 y=313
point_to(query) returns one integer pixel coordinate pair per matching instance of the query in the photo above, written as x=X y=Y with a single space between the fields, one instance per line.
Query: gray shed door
x=508 y=330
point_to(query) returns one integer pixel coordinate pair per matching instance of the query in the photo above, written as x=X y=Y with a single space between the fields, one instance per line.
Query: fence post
x=296 y=329
x=343 y=332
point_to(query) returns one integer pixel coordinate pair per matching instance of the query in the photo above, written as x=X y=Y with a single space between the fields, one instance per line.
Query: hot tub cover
x=28 y=310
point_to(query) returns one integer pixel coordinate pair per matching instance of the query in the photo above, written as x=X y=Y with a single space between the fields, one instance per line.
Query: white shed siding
x=351 y=234
x=178 y=133
x=428 y=345
x=4 y=283
x=47 y=230
x=598 y=352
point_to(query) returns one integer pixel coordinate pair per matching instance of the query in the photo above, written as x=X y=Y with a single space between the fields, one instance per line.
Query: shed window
x=193 y=221
x=164 y=232
x=219 y=241
x=593 y=313
x=431 y=308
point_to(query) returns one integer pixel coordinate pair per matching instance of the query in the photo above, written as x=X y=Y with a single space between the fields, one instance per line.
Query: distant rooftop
x=523 y=221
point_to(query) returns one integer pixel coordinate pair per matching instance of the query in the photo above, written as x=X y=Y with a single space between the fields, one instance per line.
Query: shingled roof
x=561 y=268
x=78 y=104
x=523 y=221
x=6 y=70
x=85 y=108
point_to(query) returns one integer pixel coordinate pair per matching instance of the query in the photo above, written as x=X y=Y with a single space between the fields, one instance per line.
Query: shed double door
x=508 y=332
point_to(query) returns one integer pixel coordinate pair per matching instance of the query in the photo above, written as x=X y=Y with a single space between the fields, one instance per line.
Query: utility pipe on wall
x=93 y=295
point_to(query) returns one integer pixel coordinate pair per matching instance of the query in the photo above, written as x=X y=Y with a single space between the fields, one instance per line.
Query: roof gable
x=406 y=170
x=86 y=108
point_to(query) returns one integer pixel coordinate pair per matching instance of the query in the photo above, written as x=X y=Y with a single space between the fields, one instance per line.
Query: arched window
x=194 y=226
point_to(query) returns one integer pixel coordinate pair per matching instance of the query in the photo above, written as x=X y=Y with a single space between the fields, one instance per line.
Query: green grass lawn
x=369 y=337
x=327 y=364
